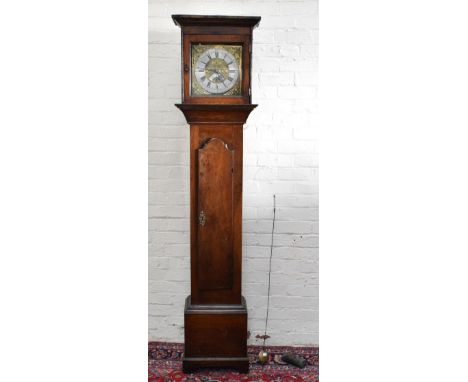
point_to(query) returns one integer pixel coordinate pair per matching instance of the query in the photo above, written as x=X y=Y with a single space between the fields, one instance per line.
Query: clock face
x=216 y=70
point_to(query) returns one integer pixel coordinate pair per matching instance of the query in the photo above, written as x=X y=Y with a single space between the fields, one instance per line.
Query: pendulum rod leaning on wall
x=263 y=355
x=269 y=269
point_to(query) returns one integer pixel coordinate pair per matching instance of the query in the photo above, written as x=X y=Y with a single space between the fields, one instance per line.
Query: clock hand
x=219 y=75
x=212 y=77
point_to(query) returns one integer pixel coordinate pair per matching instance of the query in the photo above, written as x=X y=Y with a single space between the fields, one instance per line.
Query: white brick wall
x=280 y=157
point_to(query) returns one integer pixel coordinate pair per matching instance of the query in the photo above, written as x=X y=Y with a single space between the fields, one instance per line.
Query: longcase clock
x=216 y=102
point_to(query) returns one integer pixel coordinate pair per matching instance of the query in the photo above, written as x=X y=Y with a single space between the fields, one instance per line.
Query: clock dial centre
x=217 y=70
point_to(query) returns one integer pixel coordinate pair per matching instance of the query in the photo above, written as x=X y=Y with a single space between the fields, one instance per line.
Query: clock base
x=215 y=336
x=240 y=364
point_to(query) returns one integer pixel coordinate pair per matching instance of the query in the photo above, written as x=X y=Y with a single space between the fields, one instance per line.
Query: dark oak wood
x=215 y=336
x=215 y=312
x=235 y=30
x=215 y=218
x=224 y=21
x=217 y=30
x=203 y=114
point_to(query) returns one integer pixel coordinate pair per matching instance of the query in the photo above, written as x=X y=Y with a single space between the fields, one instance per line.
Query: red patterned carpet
x=165 y=365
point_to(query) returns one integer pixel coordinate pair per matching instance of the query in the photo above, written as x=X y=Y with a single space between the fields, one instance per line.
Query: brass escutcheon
x=202 y=218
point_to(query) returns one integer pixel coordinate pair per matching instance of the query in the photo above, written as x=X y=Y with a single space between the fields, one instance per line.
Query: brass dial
x=216 y=70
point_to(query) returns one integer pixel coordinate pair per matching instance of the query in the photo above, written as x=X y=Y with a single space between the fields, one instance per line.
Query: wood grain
x=215 y=215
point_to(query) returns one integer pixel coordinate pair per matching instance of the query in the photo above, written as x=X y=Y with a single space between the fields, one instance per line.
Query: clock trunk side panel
x=216 y=234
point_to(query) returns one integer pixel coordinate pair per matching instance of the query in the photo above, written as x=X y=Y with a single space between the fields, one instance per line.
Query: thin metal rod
x=269 y=272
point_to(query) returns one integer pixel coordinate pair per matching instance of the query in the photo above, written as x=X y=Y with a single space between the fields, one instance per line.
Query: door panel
x=215 y=215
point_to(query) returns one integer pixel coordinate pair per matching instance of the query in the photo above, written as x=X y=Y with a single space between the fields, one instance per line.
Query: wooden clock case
x=216 y=312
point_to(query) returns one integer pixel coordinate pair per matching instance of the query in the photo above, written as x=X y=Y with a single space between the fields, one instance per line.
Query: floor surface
x=165 y=365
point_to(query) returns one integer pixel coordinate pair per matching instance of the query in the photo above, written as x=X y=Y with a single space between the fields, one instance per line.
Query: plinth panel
x=215 y=336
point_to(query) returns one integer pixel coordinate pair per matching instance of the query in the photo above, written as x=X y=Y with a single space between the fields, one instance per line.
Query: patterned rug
x=165 y=365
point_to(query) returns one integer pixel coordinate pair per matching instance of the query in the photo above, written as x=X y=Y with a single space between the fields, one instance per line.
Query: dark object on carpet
x=294 y=360
x=165 y=365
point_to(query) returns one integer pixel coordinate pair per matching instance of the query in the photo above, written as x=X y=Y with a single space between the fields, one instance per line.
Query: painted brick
x=306 y=133
x=293 y=37
x=296 y=173
x=263 y=36
x=289 y=214
x=302 y=8
x=168 y=132
x=163 y=51
x=170 y=224
x=169 y=250
x=167 y=158
x=168 y=185
x=167 y=211
x=279 y=78
x=291 y=64
x=306 y=160
x=276 y=160
x=290 y=50
x=297 y=147
x=305 y=78
x=266 y=64
x=296 y=227
x=167 y=145
x=310 y=51
x=296 y=92
x=164 y=198
x=295 y=253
